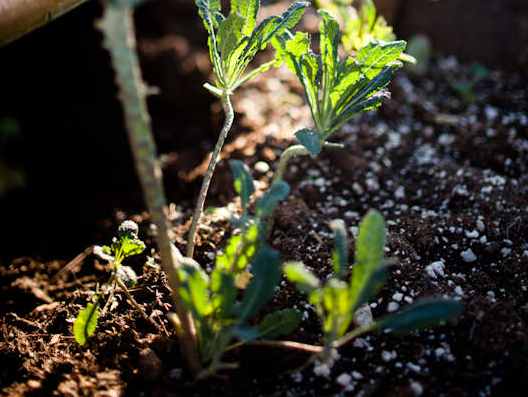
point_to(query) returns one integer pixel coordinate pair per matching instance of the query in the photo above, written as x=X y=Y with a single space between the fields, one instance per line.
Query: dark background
x=57 y=83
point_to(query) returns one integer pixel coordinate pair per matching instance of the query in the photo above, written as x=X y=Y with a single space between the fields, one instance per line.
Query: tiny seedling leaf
x=243 y=182
x=370 y=244
x=224 y=293
x=310 y=139
x=299 y=275
x=239 y=251
x=85 y=324
x=267 y=203
x=422 y=314
x=194 y=290
x=131 y=246
x=266 y=276
x=340 y=252
x=280 y=323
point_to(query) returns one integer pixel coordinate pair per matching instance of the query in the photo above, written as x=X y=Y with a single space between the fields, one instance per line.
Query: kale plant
x=243 y=279
x=336 y=89
x=337 y=299
x=360 y=25
x=233 y=43
x=125 y=245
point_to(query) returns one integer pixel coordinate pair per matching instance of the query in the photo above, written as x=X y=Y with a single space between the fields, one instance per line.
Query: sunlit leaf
x=299 y=275
x=85 y=323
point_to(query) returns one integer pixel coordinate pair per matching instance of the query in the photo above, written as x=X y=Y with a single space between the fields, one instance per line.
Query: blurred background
x=65 y=165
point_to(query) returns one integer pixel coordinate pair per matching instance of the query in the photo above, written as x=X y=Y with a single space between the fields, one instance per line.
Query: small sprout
x=337 y=300
x=125 y=245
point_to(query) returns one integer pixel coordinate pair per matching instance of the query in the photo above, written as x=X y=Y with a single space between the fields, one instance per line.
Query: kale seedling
x=360 y=25
x=125 y=245
x=337 y=299
x=243 y=279
x=336 y=90
x=233 y=43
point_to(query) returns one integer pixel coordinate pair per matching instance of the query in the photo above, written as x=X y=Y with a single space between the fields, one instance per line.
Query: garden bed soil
x=449 y=176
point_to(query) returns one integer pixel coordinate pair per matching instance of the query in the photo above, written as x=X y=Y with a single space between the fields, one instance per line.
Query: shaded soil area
x=446 y=167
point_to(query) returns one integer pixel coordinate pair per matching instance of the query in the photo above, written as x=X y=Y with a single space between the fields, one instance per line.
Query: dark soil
x=449 y=177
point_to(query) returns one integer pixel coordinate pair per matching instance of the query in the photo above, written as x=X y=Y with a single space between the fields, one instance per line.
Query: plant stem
x=282 y=344
x=119 y=38
x=215 y=156
x=290 y=153
x=296 y=151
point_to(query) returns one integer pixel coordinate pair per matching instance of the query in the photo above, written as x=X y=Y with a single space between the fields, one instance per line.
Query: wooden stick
x=18 y=17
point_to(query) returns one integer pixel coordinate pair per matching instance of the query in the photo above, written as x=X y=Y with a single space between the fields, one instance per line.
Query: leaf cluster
x=243 y=279
x=337 y=89
x=236 y=39
x=337 y=299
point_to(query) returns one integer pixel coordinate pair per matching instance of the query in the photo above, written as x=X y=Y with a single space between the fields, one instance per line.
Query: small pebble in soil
x=262 y=167
x=392 y=307
x=468 y=255
x=344 y=379
x=417 y=388
x=436 y=269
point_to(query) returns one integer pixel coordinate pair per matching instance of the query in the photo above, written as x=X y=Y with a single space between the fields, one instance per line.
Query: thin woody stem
x=215 y=157
x=119 y=39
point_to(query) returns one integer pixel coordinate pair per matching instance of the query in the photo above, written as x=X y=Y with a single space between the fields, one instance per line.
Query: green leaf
x=370 y=244
x=266 y=272
x=229 y=35
x=377 y=55
x=329 y=43
x=239 y=251
x=269 y=201
x=85 y=323
x=337 y=305
x=243 y=182
x=131 y=246
x=224 y=293
x=273 y=26
x=248 y=9
x=422 y=314
x=280 y=323
x=368 y=13
x=310 y=139
x=299 y=275
x=209 y=11
x=194 y=290
x=340 y=252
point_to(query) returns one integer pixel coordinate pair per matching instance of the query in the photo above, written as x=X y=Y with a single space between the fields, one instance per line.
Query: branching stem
x=215 y=157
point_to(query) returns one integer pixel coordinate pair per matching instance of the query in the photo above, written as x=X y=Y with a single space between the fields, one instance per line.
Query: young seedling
x=336 y=90
x=125 y=245
x=360 y=25
x=233 y=43
x=336 y=300
x=243 y=279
